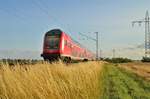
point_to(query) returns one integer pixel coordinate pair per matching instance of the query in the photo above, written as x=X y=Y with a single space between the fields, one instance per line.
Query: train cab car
x=59 y=45
x=52 y=44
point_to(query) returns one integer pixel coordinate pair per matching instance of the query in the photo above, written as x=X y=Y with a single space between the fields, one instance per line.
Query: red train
x=58 y=45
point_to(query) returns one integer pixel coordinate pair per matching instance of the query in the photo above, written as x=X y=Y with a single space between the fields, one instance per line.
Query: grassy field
x=119 y=83
x=88 y=80
x=51 y=81
x=141 y=69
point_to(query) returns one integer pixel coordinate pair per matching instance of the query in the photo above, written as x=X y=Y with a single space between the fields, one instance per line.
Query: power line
x=15 y=15
x=44 y=8
x=96 y=39
x=40 y=7
x=101 y=53
x=88 y=37
x=18 y=14
x=114 y=53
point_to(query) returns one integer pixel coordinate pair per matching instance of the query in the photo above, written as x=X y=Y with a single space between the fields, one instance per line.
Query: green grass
x=117 y=83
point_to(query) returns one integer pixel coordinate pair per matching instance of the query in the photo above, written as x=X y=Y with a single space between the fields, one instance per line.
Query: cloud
x=134 y=47
x=140 y=46
x=133 y=52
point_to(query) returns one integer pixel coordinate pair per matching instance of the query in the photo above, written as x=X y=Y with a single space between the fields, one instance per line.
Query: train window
x=70 y=45
x=66 y=42
x=52 y=42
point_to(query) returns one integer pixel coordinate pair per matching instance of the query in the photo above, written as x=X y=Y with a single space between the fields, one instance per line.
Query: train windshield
x=52 y=41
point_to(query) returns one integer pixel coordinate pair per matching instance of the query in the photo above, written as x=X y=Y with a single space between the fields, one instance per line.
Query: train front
x=52 y=45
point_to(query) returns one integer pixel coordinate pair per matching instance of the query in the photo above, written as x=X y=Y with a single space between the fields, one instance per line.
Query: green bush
x=13 y=62
x=118 y=60
x=145 y=59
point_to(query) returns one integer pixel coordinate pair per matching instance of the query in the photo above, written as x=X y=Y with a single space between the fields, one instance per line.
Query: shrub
x=118 y=60
x=145 y=59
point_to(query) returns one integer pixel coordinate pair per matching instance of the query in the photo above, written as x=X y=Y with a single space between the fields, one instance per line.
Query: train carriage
x=58 y=45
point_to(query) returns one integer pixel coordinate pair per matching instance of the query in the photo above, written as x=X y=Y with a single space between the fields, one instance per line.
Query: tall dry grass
x=51 y=81
x=141 y=69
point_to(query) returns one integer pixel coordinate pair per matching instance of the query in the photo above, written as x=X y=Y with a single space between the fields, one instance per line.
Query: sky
x=23 y=24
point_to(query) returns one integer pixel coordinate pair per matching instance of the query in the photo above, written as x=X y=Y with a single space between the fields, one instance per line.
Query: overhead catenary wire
x=55 y=19
x=14 y=14
x=95 y=40
x=44 y=9
x=18 y=14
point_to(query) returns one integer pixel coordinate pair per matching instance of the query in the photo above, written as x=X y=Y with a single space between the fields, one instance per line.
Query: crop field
x=50 y=81
x=141 y=69
x=87 y=80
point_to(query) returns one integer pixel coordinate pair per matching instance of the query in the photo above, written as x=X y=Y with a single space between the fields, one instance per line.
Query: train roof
x=60 y=31
x=81 y=45
x=54 y=31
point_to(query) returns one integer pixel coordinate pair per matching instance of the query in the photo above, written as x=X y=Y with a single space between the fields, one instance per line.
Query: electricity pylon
x=146 y=21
